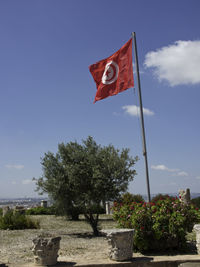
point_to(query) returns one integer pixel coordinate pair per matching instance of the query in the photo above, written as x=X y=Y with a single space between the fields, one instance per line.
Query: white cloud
x=178 y=63
x=181 y=173
x=198 y=177
x=175 y=172
x=27 y=181
x=135 y=110
x=159 y=167
x=14 y=166
x=163 y=168
x=13 y=182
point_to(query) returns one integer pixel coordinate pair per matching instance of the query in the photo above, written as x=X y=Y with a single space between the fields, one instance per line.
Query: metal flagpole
x=141 y=115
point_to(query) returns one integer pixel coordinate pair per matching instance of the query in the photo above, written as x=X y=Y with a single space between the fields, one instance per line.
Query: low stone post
x=45 y=250
x=19 y=210
x=197 y=231
x=6 y=209
x=109 y=206
x=43 y=204
x=121 y=243
x=184 y=196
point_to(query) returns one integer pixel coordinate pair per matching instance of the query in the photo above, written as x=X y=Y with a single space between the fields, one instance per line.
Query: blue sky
x=47 y=91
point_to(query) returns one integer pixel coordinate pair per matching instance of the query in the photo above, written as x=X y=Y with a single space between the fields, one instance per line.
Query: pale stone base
x=45 y=250
x=197 y=230
x=121 y=243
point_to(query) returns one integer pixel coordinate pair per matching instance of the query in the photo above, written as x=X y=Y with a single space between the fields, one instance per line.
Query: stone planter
x=121 y=243
x=45 y=250
x=197 y=231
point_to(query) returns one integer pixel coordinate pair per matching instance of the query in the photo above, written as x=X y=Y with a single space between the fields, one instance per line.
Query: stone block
x=45 y=250
x=197 y=231
x=121 y=243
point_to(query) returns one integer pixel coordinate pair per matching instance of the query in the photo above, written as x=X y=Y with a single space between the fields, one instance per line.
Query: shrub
x=1 y=211
x=41 y=211
x=17 y=221
x=160 y=197
x=158 y=226
x=128 y=198
x=196 y=202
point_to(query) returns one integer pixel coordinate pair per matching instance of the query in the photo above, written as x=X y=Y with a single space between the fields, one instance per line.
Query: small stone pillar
x=19 y=210
x=45 y=250
x=197 y=231
x=6 y=209
x=109 y=206
x=185 y=196
x=43 y=204
x=121 y=243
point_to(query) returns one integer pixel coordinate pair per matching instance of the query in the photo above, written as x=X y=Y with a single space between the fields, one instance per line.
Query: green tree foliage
x=79 y=177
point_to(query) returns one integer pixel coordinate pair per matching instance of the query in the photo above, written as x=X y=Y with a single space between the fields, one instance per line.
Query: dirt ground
x=77 y=246
x=77 y=242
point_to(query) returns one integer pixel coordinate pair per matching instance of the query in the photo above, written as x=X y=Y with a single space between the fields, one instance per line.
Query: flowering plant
x=161 y=225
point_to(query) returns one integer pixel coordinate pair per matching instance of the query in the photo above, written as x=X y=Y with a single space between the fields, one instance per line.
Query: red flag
x=115 y=73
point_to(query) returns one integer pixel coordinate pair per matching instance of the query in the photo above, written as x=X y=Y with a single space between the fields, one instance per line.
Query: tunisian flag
x=115 y=73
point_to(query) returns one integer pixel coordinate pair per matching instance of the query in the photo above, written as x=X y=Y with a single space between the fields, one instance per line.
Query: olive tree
x=79 y=177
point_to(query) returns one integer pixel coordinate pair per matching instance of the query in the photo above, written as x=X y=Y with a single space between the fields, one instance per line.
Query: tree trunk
x=75 y=217
x=93 y=221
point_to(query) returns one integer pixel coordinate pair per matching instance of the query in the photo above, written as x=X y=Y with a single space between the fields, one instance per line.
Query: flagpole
x=141 y=116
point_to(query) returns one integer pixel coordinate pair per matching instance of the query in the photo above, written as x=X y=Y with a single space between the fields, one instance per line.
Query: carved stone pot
x=197 y=231
x=45 y=250
x=121 y=243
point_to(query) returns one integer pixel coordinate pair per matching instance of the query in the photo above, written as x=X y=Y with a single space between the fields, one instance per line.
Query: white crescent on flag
x=110 y=73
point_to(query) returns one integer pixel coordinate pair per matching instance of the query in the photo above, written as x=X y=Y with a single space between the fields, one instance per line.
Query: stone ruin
x=19 y=209
x=5 y=209
x=184 y=196
x=121 y=243
x=44 y=204
x=45 y=250
x=109 y=206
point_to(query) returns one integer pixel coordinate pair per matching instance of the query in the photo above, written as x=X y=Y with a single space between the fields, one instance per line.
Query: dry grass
x=77 y=240
x=77 y=245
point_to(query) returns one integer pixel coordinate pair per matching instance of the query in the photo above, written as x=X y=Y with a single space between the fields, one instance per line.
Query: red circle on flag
x=110 y=73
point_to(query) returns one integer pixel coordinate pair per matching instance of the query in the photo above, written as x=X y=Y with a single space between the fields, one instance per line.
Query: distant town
x=35 y=202
x=23 y=202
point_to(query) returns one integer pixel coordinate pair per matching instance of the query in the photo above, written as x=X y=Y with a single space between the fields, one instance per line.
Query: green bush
x=128 y=198
x=158 y=226
x=17 y=221
x=161 y=197
x=1 y=211
x=196 y=202
x=41 y=211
